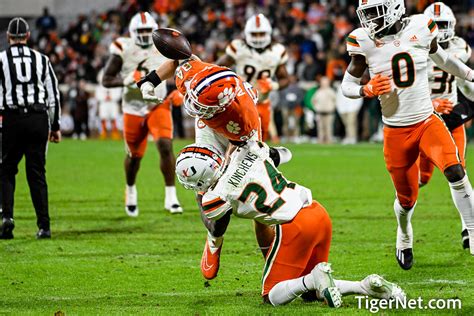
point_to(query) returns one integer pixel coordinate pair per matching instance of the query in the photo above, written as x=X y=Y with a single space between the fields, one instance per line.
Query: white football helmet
x=258 y=31
x=198 y=167
x=141 y=26
x=379 y=15
x=444 y=18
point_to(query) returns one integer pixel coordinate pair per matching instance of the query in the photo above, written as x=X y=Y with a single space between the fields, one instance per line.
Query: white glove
x=148 y=93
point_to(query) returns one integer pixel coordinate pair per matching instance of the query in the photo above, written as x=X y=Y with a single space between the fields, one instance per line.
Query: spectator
x=348 y=110
x=291 y=99
x=46 y=22
x=324 y=102
x=79 y=100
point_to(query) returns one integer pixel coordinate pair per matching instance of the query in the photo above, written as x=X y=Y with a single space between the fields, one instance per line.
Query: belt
x=34 y=108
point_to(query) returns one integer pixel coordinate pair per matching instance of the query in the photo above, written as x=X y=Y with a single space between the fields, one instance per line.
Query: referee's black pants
x=25 y=134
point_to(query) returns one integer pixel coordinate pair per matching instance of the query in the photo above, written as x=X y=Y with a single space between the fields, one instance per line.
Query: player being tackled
x=251 y=187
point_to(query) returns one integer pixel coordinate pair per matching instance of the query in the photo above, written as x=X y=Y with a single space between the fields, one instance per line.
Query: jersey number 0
x=409 y=78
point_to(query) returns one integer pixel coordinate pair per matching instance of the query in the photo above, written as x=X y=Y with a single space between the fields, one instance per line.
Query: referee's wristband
x=152 y=77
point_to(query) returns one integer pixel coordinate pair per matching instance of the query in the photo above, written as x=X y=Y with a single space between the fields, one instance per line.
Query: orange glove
x=443 y=106
x=378 y=85
x=264 y=85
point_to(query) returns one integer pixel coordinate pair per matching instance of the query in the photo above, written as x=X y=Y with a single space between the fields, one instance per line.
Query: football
x=171 y=43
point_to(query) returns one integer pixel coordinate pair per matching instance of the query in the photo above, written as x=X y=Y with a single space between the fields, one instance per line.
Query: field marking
x=433 y=281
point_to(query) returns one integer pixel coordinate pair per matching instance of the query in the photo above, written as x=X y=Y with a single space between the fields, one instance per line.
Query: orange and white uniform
x=238 y=123
x=444 y=86
x=140 y=118
x=411 y=127
x=251 y=187
x=252 y=65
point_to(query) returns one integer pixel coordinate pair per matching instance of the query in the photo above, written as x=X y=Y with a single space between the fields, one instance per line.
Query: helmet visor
x=196 y=109
x=373 y=18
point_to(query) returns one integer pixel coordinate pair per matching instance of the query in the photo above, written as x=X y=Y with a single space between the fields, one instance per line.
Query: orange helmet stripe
x=203 y=151
x=437 y=9
x=143 y=16
x=257 y=20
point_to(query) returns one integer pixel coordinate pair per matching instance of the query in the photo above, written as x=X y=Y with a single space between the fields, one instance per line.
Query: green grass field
x=102 y=262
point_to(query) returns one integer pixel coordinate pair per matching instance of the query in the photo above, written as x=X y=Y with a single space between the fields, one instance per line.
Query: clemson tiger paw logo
x=233 y=127
x=226 y=96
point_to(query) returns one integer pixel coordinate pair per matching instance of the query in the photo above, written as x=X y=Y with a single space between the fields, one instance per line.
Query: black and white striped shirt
x=26 y=79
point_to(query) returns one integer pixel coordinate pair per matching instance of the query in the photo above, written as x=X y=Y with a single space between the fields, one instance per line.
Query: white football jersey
x=404 y=58
x=253 y=188
x=444 y=85
x=251 y=64
x=136 y=58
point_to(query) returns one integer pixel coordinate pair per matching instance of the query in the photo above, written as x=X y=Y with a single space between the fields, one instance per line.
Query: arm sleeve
x=350 y=86
x=451 y=64
x=51 y=83
x=214 y=207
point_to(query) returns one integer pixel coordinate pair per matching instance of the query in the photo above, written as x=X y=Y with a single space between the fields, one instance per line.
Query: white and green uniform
x=252 y=64
x=253 y=188
x=444 y=85
x=136 y=58
x=404 y=58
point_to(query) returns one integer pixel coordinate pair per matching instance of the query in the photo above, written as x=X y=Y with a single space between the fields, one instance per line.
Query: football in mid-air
x=171 y=43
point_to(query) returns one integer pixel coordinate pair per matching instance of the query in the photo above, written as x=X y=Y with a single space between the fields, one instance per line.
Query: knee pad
x=454 y=173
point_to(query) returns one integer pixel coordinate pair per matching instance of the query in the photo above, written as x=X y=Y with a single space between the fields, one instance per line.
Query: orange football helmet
x=210 y=91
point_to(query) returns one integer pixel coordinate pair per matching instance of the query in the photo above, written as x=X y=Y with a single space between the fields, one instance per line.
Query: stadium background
x=76 y=36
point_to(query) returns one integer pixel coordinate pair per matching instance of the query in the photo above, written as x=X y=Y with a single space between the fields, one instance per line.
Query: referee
x=30 y=111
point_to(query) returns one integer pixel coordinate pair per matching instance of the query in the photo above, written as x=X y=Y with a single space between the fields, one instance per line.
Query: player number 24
x=279 y=184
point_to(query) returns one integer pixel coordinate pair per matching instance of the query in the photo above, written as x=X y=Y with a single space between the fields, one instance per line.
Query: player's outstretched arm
x=112 y=78
x=450 y=63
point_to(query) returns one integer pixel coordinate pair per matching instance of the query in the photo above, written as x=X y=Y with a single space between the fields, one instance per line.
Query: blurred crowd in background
x=313 y=32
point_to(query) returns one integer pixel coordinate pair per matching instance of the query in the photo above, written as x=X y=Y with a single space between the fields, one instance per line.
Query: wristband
x=152 y=78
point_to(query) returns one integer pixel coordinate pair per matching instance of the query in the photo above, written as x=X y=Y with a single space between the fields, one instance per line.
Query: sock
x=170 y=194
x=214 y=242
x=131 y=188
x=404 y=230
x=349 y=287
x=463 y=197
x=286 y=291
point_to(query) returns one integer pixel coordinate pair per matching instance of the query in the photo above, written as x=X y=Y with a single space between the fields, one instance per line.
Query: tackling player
x=444 y=89
x=226 y=116
x=251 y=187
x=130 y=57
x=258 y=60
x=395 y=49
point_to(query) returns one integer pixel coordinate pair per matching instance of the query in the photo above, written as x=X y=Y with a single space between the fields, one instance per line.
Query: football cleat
x=6 y=231
x=324 y=284
x=174 y=209
x=131 y=197
x=405 y=258
x=43 y=234
x=465 y=239
x=378 y=287
x=210 y=262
